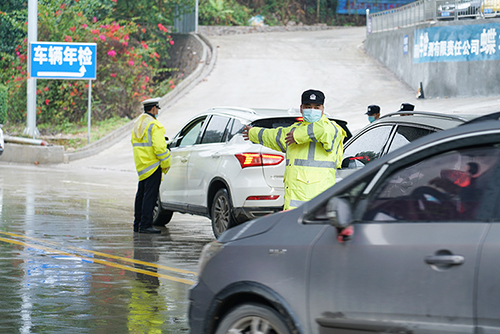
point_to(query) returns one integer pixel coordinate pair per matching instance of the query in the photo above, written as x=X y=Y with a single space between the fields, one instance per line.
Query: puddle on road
x=51 y=285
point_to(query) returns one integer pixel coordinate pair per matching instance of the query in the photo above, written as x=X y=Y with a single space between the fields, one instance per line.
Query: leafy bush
x=130 y=57
x=222 y=12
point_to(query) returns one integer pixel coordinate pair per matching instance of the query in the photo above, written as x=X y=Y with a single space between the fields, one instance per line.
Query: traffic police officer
x=373 y=113
x=406 y=107
x=151 y=157
x=313 y=149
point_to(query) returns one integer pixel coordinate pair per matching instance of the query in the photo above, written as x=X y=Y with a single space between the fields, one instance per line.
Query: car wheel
x=253 y=318
x=161 y=217
x=222 y=218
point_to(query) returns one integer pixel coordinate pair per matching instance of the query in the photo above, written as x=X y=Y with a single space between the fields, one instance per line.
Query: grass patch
x=70 y=135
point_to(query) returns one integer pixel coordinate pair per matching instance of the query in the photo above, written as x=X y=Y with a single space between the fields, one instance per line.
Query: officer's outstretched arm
x=272 y=138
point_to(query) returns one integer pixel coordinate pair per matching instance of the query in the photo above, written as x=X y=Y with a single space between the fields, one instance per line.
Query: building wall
x=441 y=78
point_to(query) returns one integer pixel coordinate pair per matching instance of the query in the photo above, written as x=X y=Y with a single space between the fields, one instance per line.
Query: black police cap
x=313 y=96
x=407 y=107
x=373 y=109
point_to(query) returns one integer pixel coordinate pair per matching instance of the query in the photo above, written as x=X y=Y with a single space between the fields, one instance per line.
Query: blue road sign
x=54 y=60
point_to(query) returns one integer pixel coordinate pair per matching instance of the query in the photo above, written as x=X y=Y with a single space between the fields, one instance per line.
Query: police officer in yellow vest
x=313 y=149
x=151 y=157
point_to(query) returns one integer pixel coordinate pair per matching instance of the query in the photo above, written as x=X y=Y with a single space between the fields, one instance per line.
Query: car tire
x=161 y=217
x=221 y=212
x=253 y=318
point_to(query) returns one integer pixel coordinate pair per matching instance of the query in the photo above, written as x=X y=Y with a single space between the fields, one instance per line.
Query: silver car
x=408 y=244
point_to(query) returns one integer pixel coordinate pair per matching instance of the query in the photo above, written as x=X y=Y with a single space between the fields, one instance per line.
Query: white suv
x=217 y=174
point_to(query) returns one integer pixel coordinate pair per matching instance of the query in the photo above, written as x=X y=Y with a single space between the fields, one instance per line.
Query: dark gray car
x=408 y=244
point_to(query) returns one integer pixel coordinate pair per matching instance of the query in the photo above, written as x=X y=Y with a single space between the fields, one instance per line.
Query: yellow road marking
x=125 y=259
x=107 y=263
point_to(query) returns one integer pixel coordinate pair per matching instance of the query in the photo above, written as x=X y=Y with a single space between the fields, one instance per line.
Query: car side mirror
x=352 y=163
x=339 y=212
x=345 y=163
x=171 y=144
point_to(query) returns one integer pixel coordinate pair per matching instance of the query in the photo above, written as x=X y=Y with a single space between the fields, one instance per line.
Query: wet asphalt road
x=70 y=263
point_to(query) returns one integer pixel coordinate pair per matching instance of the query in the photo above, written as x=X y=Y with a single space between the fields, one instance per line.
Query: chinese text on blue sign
x=457 y=43
x=54 y=60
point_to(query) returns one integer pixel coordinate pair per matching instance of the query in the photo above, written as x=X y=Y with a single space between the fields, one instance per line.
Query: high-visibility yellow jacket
x=150 y=147
x=311 y=163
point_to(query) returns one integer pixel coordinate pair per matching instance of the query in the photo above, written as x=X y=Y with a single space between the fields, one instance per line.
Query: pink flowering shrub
x=129 y=67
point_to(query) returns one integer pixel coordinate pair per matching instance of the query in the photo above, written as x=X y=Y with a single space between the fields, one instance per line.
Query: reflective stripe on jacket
x=311 y=163
x=149 y=146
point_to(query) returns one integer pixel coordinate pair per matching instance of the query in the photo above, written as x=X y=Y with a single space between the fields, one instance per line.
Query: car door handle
x=445 y=259
x=184 y=159
x=216 y=155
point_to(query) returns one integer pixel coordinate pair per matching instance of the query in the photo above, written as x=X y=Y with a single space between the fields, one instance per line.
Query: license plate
x=445 y=13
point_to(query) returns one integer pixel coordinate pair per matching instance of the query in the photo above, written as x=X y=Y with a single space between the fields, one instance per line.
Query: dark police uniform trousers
x=145 y=200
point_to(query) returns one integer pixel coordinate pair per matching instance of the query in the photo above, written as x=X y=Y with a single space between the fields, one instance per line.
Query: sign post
x=31 y=129
x=89 y=113
x=68 y=61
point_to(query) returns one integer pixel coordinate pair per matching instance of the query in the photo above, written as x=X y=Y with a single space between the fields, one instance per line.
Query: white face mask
x=311 y=115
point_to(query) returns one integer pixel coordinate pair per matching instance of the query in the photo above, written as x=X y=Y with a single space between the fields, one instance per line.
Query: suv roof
x=432 y=119
x=252 y=114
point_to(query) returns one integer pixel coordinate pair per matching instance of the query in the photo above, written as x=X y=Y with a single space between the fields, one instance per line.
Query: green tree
x=222 y=12
x=11 y=13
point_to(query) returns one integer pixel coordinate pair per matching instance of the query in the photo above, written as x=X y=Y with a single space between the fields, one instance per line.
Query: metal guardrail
x=430 y=10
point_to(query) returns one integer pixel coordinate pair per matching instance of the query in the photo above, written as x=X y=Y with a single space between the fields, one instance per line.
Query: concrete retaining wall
x=439 y=79
x=32 y=154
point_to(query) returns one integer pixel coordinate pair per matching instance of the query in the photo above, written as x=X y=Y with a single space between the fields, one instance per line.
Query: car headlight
x=208 y=252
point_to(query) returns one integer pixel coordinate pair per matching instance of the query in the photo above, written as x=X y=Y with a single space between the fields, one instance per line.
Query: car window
x=368 y=146
x=216 y=128
x=190 y=133
x=446 y=187
x=406 y=134
x=236 y=127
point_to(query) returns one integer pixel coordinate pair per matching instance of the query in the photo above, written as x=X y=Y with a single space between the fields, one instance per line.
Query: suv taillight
x=257 y=159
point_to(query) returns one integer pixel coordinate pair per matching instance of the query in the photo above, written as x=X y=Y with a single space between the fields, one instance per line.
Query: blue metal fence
x=360 y=6
x=186 y=18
